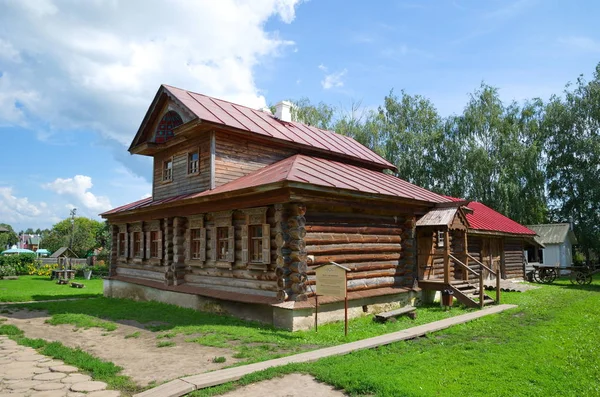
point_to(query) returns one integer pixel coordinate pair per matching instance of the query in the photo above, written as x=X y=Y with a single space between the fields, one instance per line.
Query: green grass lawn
x=251 y=341
x=548 y=346
x=37 y=288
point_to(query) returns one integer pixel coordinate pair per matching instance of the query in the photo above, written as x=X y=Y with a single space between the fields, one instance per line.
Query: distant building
x=558 y=240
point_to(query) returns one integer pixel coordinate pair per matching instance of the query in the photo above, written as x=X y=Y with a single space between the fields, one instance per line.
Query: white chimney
x=283 y=111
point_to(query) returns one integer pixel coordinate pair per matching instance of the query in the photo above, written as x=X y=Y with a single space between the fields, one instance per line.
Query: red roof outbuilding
x=486 y=219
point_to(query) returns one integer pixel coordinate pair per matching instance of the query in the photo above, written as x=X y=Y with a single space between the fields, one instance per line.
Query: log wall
x=513 y=258
x=377 y=245
x=177 y=268
x=475 y=244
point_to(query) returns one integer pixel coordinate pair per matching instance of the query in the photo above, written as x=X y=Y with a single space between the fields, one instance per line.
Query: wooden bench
x=383 y=317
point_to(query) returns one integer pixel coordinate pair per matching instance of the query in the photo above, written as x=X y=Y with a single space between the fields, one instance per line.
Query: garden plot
x=130 y=346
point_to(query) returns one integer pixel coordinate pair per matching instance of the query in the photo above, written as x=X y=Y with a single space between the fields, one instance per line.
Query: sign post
x=331 y=280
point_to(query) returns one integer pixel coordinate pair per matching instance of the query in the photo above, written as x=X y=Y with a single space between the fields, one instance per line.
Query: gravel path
x=25 y=372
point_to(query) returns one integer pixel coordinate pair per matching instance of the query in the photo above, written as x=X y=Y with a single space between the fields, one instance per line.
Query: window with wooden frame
x=196 y=239
x=198 y=244
x=256 y=238
x=154 y=244
x=193 y=162
x=223 y=243
x=167 y=175
x=223 y=239
x=137 y=245
x=441 y=236
x=122 y=247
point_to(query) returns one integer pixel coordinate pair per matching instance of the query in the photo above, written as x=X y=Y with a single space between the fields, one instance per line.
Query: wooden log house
x=246 y=203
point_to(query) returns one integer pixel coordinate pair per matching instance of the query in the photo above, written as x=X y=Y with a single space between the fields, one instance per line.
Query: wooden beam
x=213 y=146
x=447 y=256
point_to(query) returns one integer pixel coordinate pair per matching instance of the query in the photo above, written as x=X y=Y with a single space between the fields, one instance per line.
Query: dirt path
x=293 y=385
x=139 y=356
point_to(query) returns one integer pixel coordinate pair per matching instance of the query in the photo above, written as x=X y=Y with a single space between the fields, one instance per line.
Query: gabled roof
x=311 y=171
x=63 y=251
x=33 y=240
x=486 y=219
x=440 y=217
x=246 y=119
x=554 y=233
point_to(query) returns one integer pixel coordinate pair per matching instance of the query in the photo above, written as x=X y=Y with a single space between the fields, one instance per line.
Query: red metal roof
x=244 y=118
x=315 y=171
x=486 y=219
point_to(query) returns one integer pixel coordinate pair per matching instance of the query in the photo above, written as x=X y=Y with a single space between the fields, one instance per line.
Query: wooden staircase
x=469 y=294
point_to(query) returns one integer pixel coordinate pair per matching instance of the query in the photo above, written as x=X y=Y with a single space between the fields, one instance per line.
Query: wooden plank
x=383 y=317
x=174 y=388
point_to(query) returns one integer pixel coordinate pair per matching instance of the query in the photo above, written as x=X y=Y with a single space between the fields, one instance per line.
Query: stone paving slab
x=25 y=372
x=180 y=387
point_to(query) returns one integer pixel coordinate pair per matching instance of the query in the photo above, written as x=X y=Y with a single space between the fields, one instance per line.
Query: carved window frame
x=256 y=217
x=221 y=220
x=122 y=252
x=136 y=230
x=195 y=225
x=150 y=228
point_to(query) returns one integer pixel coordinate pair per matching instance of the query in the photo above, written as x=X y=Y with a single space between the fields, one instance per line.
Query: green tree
x=320 y=115
x=7 y=239
x=572 y=126
x=88 y=234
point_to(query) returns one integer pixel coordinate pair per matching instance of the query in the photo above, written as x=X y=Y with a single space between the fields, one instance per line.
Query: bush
x=18 y=262
x=7 y=270
x=38 y=269
x=100 y=269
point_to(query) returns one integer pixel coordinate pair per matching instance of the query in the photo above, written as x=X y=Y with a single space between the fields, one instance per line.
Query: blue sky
x=77 y=77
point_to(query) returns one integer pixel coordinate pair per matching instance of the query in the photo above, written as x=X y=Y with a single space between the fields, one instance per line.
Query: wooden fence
x=63 y=261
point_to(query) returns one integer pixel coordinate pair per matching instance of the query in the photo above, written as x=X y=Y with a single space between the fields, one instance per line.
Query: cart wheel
x=536 y=276
x=573 y=277
x=547 y=275
x=582 y=278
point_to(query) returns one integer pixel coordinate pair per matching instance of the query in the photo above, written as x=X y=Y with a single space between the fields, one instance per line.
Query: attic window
x=167 y=124
x=193 y=162
x=168 y=170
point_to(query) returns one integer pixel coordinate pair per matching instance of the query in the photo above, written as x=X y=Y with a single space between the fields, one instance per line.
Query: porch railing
x=479 y=275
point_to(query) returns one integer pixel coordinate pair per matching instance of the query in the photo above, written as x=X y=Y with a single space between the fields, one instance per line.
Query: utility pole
x=73 y=211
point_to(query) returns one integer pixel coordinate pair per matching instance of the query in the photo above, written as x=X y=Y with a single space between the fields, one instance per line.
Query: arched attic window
x=168 y=123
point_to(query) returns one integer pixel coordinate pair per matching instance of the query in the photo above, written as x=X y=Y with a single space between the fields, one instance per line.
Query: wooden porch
x=444 y=261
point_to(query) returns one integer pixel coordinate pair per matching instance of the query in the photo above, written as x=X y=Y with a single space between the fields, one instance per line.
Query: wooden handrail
x=481 y=264
x=495 y=273
x=463 y=265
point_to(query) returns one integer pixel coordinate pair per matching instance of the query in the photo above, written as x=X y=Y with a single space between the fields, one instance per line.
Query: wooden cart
x=545 y=273
x=582 y=275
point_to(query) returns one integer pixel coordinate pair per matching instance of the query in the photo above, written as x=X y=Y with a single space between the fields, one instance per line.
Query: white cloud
x=582 y=43
x=19 y=211
x=334 y=80
x=96 y=65
x=8 y=52
x=78 y=188
x=322 y=67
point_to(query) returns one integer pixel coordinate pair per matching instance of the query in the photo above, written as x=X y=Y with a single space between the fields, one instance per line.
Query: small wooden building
x=245 y=205
x=558 y=240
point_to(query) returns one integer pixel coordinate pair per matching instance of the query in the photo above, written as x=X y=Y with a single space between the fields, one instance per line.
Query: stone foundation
x=292 y=316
